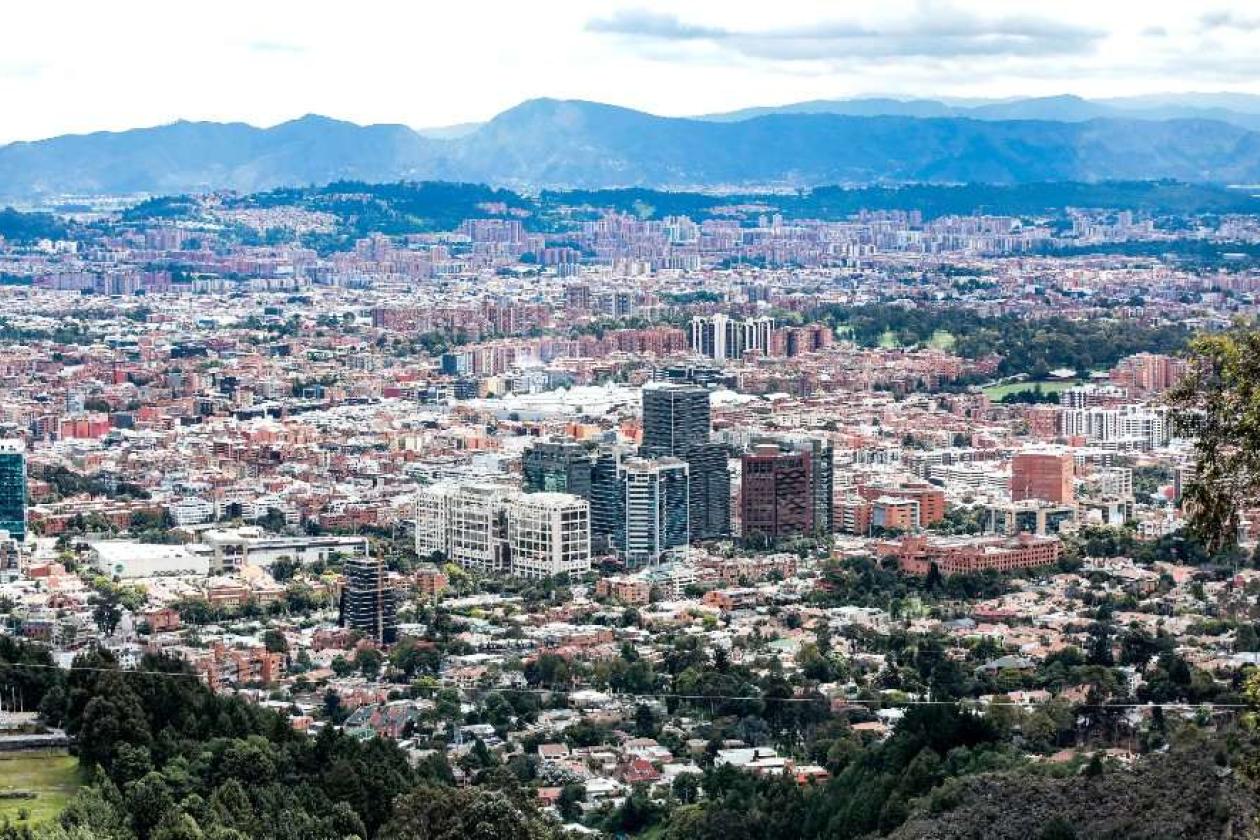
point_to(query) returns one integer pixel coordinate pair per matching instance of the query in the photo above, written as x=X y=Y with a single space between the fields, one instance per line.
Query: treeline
x=165 y=758
x=410 y=207
x=23 y=228
x=1027 y=346
x=835 y=202
x=65 y=483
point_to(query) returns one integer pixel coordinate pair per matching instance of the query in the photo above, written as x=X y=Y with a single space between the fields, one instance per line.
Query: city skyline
x=273 y=63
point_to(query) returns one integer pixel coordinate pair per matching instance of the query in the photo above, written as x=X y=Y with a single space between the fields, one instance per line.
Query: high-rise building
x=1043 y=474
x=776 y=497
x=490 y=529
x=822 y=478
x=368 y=602
x=13 y=488
x=656 y=509
x=608 y=500
x=557 y=466
x=676 y=418
x=465 y=523
x=549 y=534
x=676 y=424
x=722 y=337
x=710 y=492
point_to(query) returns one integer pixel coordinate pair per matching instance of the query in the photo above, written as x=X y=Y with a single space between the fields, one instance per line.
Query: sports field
x=52 y=776
x=996 y=392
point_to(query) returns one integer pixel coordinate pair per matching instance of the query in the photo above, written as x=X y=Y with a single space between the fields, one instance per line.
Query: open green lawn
x=996 y=392
x=52 y=776
x=942 y=340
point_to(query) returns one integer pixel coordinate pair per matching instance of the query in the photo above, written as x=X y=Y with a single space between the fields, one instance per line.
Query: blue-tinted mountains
x=566 y=144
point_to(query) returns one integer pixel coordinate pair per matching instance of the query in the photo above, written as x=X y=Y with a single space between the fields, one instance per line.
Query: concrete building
x=722 y=337
x=1030 y=516
x=466 y=524
x=549 y=534
x=124 y=559
x=232 y=548
x=490 y=529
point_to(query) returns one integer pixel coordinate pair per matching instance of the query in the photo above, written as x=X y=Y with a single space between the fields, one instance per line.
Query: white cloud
x=82 y=65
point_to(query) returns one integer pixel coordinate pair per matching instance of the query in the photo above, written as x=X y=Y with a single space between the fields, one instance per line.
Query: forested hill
x=550 y=143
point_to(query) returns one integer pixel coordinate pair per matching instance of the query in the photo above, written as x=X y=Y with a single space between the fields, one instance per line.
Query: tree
x=106 y=612
x=369 y=662
x=112 y=717
x=275 y=642
x=686 y=788
x=439 y=813
x=1217 y=403
x=148 y=801
x=284 y=568
x=568 y=801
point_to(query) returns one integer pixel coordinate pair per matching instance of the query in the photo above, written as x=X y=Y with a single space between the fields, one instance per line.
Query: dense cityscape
x=601 y=514
x=634 y=419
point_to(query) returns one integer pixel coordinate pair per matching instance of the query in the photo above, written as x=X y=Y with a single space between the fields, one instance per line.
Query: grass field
x=996 y=392
x=942 y=340
x=52 y=776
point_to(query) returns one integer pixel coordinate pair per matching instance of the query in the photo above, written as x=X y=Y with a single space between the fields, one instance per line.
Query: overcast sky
x=83 y=65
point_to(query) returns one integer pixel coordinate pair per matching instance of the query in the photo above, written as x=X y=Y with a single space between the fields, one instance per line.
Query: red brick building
x=1043 y=474
x=961 y=555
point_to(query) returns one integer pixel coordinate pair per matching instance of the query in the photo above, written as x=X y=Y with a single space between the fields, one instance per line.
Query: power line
x=963 y=702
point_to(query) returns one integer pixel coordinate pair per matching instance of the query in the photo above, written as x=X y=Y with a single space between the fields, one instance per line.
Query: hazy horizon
x=443 y=65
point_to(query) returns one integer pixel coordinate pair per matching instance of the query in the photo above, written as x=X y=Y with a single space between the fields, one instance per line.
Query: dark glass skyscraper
x=676 y=424
x=608 y=500
x=822 y=479
x=13 y=488
x=368 y=602
x=559 y=466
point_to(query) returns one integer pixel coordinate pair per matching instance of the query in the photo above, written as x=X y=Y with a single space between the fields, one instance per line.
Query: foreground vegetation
x=50 y=779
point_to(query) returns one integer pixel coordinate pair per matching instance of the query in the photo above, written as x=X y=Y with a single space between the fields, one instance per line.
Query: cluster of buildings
x=660 y=414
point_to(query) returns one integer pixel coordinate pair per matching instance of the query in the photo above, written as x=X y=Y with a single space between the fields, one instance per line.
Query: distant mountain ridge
x=548 y=143
x=1236 y=109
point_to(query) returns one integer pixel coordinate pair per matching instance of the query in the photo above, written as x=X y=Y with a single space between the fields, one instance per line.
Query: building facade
x=657 y=512
x=559 y=466
x=13 y=488
x=549 y=534
x=1044 y=475
x=775 y=494
x=368 y=602
x=676 y=424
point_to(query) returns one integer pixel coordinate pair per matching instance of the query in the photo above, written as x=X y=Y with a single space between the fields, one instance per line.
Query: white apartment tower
x=489 y=529
x=549 y=533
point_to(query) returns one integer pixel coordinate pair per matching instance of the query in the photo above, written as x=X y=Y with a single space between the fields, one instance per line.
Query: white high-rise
x=490 y=529
x=549 y=533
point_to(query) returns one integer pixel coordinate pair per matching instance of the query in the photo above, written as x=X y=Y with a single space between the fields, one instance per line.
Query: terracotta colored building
x=1045 y=475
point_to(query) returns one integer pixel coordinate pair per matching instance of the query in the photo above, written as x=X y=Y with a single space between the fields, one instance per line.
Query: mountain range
x=549 y=143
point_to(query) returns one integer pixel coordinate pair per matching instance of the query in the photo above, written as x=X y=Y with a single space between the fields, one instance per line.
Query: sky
x=70 y=66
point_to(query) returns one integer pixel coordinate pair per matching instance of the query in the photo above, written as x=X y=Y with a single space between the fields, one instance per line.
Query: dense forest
x=1027 y=346
x=24 y=228
x=167 y=759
